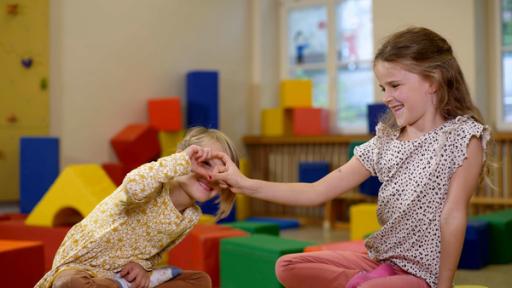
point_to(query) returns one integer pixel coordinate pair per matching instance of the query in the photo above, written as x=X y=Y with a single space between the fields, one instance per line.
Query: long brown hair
x=427 y=54
x=198 y=136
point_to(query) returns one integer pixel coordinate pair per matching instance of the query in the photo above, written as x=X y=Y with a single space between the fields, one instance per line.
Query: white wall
x=109 y=57
x=461 y=22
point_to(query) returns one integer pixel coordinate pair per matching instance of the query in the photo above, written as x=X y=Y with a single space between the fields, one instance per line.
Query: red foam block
x=310 y=121
x=165 y=114
x=115 y=171
x=51 y=237
x=199 y=250
x=21 y=262
x=136 y=144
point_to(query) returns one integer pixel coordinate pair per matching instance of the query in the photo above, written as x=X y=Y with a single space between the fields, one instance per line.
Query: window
x=506 y=59
x=331 y=43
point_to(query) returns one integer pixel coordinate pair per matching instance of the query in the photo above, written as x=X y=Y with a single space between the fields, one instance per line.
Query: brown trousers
x=82 y=279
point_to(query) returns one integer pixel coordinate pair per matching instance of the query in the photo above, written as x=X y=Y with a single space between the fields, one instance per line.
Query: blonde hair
x=427 y=54
x=198 y=136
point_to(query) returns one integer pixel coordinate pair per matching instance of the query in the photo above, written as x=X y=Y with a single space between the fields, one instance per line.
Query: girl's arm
x=338 y=181
x=149 y=178
x=454 y=217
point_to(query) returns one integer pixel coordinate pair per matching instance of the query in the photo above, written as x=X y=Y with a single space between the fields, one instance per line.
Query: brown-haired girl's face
x=197 y=187
x=408 y=96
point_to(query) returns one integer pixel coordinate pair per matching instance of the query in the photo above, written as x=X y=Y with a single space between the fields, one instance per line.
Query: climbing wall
x=24 y=103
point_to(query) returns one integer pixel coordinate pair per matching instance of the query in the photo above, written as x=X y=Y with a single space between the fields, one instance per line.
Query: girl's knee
x=283 y=267
x=199 y=279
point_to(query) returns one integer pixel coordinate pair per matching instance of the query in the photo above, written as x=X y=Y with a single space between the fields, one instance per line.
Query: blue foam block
x=211 y=207
x=310 y=172
x=203 y=99
x=375 y=112
x=39 y=167
x=282 y=222
x=475 y=252
x=370 y=186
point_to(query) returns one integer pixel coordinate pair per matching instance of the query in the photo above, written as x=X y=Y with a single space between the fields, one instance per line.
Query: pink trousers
x=335 y=269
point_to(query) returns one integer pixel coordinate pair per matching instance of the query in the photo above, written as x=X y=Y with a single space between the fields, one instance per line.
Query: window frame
x=332 y=64
x=501 y=124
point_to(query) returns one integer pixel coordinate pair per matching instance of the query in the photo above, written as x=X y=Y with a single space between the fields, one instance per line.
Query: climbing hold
x=43 y=84
x=26 y=62
x=12 y=9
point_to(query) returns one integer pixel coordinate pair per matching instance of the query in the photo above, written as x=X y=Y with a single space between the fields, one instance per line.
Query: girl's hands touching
x=197 y=155
x=136 y=275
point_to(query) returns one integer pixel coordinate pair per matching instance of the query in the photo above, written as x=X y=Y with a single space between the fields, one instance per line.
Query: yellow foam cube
x=296 y=93
x=78 y=187
x=242 y=201
x=273 y=122
x=363 y=220
x=207 y=219
x=169 y=141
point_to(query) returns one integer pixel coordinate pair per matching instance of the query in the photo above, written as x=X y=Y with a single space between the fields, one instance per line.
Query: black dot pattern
x=415 y=176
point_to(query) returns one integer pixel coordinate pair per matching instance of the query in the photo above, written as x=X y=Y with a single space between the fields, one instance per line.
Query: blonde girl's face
x=408 y=96
x=197 y=187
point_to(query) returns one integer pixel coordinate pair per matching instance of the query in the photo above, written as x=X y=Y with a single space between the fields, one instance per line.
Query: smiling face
x=409 y=97
x=196 y=187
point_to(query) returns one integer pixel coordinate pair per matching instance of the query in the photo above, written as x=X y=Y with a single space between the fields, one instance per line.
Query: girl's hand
x=197 y=155
x=228 y=176
x=136 y=275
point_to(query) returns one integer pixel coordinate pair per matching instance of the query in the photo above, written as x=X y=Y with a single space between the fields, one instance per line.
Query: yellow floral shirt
x=137 y=222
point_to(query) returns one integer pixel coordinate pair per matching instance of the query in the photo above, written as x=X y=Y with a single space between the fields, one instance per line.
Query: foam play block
x=203 y=99
x=296 y=93
x=283 y=223
x=310 y=172
x=250 y=261
x=375 y=113
x=136 y=144
x=211 y=207
x=256 y=227
x=77 y=190
x=51 y=237
x=354 y=246
x=199 y=250
x=207 y=219
x=363 y=220
x=39 y=167
x=165 y=114
x=500 y=226
x=22 y=262
x=273 y=122
x=475 y=251
x=243 y=202
x=310 y=121
x=116 y=172
x=169 y=141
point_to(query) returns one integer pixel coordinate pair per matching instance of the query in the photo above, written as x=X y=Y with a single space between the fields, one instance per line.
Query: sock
x=383 y=270
x=158 y=276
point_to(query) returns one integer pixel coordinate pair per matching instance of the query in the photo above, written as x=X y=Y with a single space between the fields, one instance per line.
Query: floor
x=493 y=276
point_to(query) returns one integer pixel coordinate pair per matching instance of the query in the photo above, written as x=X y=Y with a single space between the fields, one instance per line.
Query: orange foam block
x=21 y=262
x=115 y=171
x=165 y=114
x=354 y=246
x=310 y=121
x=136 y=144
x=200 y=249
x=50 y=238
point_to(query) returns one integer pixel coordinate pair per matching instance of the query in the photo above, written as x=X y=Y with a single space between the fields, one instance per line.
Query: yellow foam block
x=169 y=141
x=363 y=220
x=207 y=219
x=78 y=187
x=296 y=93
x=242 y=201
x=273 y=122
